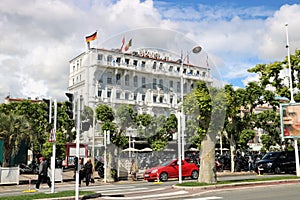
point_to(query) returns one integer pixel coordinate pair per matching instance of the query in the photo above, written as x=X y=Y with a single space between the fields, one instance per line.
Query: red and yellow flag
x=91 y=37
x=128 y=45
x=123 y=41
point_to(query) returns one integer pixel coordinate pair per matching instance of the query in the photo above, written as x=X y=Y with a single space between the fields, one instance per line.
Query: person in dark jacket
x=43 y=174
x=88 y=169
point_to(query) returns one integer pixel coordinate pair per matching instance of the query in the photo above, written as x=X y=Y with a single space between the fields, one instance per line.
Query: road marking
x=206 y=198
x=149 y=196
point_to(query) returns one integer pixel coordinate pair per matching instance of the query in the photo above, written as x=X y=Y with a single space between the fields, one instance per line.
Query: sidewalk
x=27 y=181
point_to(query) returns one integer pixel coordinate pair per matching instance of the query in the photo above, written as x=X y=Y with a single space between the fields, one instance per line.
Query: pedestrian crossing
x=132 y=192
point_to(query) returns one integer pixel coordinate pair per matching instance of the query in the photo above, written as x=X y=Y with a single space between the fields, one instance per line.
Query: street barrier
x=9 y=175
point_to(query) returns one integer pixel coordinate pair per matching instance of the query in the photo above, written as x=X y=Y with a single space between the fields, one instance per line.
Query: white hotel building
x=148 y=79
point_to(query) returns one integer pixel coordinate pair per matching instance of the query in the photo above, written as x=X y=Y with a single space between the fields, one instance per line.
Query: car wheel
x=163 y=176
x=195 y=174
x=277 y=170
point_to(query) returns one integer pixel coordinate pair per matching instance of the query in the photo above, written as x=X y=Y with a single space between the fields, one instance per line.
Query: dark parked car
x=277 y=162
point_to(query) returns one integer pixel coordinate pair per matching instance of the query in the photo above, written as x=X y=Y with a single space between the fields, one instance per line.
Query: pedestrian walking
x=43 y=174
x=133 y=170
x=89 y=170
x=250 y=163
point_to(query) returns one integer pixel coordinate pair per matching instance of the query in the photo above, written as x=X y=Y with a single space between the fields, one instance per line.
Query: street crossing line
x=113 y=190
x=206 y=198
x=149 y=196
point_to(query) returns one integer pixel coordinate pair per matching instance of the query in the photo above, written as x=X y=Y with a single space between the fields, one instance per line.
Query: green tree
x=13 y=130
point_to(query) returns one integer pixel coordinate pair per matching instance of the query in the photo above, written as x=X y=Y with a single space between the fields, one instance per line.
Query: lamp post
x=181 y=117
x=292 y=98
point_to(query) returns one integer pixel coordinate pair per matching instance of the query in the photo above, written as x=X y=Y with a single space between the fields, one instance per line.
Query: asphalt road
x=259 y=192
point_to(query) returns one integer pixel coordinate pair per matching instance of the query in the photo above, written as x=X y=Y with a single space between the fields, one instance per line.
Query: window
x=126 y=95
x=170 y=68
x=160 y=66
x=135 y=62
x=185 y=87
x=171 y=84
x=143 y=97
x=109 y=78
x=154 y=65
x=118 y=61
x=99 y=92
x=135 y=81
x=143 y=64
x=108 y=93
x=127 y=79
x=109 y=58
x=118 y=79
x=161 y=83
x=134 y=96
x=118 y=95
x=154 y=98
x=161 y=99
x=203 y=74
x=143 y=82
x=171 y=100
x=154 y=83
x=127 y=61
x=100 y=56
x=178 y=86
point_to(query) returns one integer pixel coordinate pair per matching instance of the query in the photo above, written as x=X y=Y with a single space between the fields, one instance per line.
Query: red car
x=170 y=170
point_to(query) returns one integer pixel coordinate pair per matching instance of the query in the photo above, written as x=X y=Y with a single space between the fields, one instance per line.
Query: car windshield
x=167 y=163
x=271 y=156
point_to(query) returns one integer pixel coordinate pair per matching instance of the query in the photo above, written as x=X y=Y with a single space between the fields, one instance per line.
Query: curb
x=220 y=186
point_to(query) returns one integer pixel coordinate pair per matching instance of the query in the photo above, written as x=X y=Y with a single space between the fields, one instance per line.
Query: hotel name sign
x=154 y=53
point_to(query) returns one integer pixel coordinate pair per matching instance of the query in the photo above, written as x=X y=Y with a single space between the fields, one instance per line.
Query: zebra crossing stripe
x=206 y=198
x=149 y=196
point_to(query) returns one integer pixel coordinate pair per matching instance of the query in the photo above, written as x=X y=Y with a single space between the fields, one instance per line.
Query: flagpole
x=88 y=46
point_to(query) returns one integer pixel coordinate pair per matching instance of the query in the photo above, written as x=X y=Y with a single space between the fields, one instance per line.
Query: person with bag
x=43 y=174
x=81 y=171
x=89 y=170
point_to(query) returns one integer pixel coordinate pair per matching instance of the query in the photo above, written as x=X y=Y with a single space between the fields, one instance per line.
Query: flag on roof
x=123 y=41
x=207 y=64
x=128 y=45
x=91 y=37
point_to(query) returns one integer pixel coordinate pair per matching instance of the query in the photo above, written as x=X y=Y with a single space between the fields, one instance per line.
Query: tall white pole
x=292 y=98
x=297 y=157
x=105 y=159
x=54 y=148
x=179 y=146
x=289 y=63
x=77 y=99
x=182 y=113
x=180 y=128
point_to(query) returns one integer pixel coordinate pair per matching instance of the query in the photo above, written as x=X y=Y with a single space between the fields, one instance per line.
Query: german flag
x=91 y=37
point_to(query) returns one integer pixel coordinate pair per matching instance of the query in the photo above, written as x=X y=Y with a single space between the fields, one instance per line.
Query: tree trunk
x=109 y=177
x=207 y=163
x=6 y=155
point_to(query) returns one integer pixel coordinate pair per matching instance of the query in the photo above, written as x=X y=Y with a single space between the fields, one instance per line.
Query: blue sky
x=42 y=36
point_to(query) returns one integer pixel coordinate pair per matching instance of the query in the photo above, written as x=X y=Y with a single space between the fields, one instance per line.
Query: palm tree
x=13 y=130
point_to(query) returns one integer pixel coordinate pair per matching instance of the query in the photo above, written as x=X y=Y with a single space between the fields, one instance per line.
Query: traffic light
x=48 y=109
x=70 y=105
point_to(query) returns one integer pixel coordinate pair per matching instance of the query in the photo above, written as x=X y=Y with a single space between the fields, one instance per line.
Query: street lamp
x=292 y=99
x=181 y=119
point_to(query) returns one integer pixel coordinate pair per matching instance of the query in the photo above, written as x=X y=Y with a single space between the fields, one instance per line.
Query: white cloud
x=40 y=37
